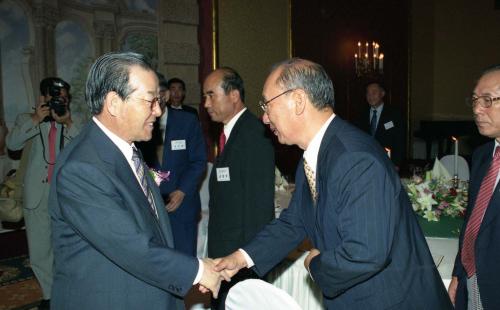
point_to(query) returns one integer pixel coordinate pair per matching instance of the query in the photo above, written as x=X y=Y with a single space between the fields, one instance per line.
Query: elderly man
x=475 y=283
x=113 y=245
x=369 y=252
x=242 y=180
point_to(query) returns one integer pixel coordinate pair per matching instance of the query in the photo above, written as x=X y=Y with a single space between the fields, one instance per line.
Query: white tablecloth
x=444 y=251
x=293 y=278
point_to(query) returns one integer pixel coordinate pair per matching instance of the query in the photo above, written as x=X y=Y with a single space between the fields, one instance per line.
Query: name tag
x=223 y=174
x=178 y=145
x=388 y=125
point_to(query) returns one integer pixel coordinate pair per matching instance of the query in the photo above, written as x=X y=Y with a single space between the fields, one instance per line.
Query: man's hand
x=63 y=119
x=231 y=264
x=175 y=199
x=313 y=253
x=42 y=110
x=211 y=279
x=452 y=289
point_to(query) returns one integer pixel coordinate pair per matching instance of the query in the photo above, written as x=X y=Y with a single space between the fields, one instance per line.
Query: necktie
x=52 y=149
x=373 y=123
x=474 y=223
x=311 y=180
x=141 y=174
x=222 y=142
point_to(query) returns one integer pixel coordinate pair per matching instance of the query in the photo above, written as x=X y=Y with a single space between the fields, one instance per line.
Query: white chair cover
x=462 y=166
x=260 y=295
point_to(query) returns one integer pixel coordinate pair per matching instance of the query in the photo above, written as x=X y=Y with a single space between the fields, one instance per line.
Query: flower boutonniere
x=159 y=176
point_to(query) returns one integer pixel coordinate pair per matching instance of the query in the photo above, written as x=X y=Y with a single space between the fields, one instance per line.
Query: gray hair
x=488 y=70
x=110 y=72
x=308 y=76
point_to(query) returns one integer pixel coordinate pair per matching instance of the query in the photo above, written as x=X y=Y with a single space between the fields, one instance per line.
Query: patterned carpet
x=18 y=287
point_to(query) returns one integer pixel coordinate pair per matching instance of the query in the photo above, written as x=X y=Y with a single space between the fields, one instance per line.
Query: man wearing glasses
x=369 y=251
x=242 y=180
x=112 y=239
x=475 y=283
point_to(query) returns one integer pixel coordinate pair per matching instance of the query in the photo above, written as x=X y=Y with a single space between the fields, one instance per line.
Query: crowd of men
x=104 y=234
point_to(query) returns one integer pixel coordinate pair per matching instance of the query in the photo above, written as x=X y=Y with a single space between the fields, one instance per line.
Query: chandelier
x=369 y=61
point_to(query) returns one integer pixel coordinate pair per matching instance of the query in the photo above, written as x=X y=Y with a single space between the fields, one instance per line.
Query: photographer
x=43 y=134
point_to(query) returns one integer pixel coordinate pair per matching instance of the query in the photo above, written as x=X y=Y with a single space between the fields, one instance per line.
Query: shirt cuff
x=247 y=257
x=201 y=268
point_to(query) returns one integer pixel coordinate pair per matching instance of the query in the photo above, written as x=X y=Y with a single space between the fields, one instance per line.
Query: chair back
x=462 y=166
x=257 y=294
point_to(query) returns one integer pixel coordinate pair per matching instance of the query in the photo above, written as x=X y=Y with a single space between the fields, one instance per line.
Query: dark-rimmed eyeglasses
x=482 y=101
x=263 y=103
x=156 y=101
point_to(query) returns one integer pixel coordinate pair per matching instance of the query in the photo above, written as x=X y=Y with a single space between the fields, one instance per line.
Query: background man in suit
x=178 y=146
x=369 y=252
x=177 y=89
x=475 y=283
x=112 y=240
x=384 y=122
x=241 y=184
x=47 y=132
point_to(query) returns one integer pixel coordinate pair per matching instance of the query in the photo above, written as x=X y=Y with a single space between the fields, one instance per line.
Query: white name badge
x=178 y=145
x=223 y=174
x=388 y=125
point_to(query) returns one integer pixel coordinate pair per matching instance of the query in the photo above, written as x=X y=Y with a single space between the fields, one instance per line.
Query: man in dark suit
x=369 y=251
x=177 y=89
x=241 y=185
x=475 y=283
x=113 y=245
x=178 y=147
x=385 y=123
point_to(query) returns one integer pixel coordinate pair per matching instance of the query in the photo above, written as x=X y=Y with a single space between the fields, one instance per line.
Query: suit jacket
x=35 y=179
x=240 y=207
x=390 y=131
x=487 y=247
x=373 y=252
x=110 y=250
x=186 y=164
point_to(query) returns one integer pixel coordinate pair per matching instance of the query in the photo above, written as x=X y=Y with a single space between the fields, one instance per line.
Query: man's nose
x=265 y=118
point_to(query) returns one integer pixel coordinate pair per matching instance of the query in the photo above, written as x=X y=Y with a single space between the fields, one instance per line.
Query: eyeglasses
x=483 y=101
x=263 y=104
x=156 y=101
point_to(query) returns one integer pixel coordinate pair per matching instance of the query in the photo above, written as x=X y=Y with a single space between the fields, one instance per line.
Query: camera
x=56 y=103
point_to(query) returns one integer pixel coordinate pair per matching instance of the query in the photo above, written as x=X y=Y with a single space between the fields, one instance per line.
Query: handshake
x=219 y=269
x=216 y=270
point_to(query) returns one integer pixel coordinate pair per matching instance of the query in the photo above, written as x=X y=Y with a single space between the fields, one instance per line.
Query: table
x=444 y=251
x=293 y=278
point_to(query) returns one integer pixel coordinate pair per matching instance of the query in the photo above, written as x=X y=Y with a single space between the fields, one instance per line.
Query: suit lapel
x=113 y=157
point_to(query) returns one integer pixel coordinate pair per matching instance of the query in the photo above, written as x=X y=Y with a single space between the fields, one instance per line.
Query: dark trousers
x=243 y=274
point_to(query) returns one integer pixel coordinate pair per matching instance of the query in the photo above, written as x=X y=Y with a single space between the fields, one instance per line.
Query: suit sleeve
x=21 y=132
x=197 y=157
x=106 y=218
x=364 y=200
x=258 y=186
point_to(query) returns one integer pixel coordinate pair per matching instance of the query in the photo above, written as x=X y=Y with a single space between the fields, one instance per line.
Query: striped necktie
x=141 y=174
x=476 y=217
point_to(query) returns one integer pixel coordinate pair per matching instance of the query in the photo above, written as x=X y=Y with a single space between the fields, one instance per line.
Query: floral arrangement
x=280 y=183
x=434 y=197
x=158 y=175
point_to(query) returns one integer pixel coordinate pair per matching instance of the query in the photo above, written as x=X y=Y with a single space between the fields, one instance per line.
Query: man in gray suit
x=47 y=130
x=113 y=244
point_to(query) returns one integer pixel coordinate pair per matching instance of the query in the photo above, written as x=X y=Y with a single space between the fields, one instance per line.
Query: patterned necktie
x=52 y=149
x=476 y=217
x=141 y=174
x=373 y=123
x=222 y=142
x=311 y=180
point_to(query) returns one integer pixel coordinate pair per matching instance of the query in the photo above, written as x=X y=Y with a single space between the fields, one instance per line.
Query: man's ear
x=234 y=94
x=300 y=100
x=113 y=103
